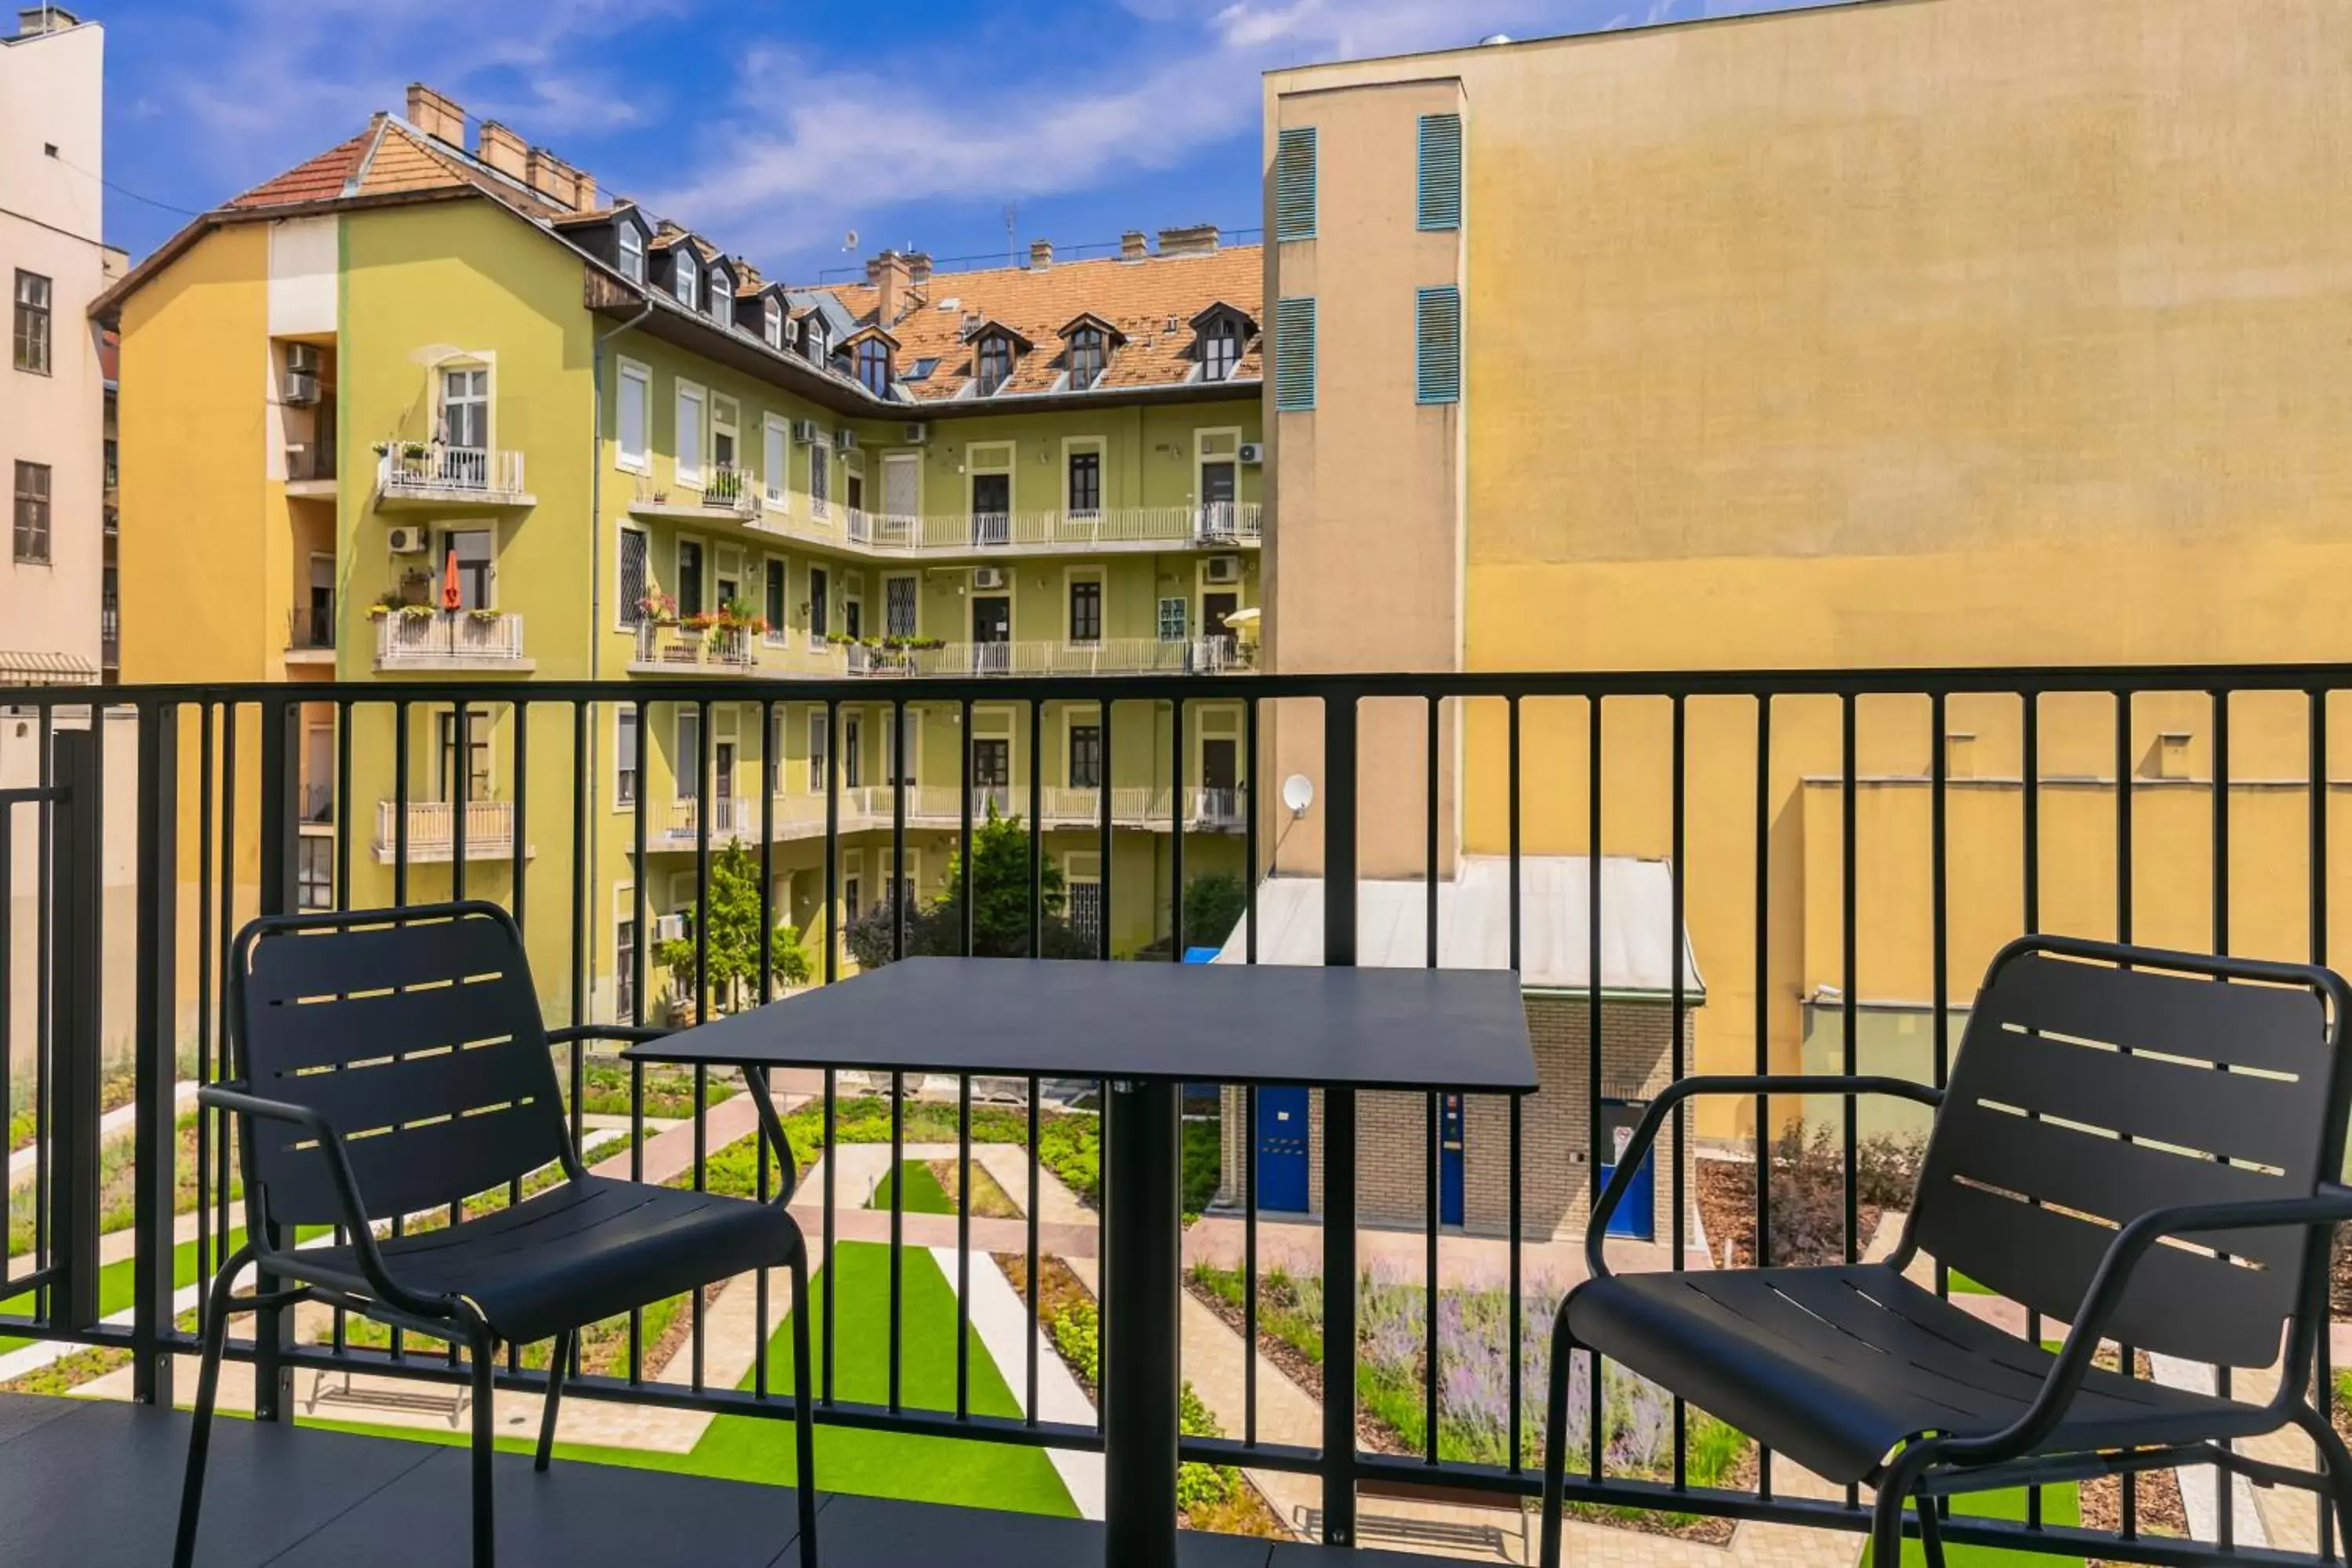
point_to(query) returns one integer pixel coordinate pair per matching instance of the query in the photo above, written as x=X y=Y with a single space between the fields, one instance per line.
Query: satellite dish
x=1297 y=794
x=849 y=240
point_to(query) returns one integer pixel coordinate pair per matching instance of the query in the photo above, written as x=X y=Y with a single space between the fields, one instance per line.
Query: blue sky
x=776 y=130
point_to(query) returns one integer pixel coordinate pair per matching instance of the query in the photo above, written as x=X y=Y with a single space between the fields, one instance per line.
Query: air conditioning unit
x=845 y=440
x=669 y=927
x=918 y=434
x=302 y=388
x=406 y=541
x=989 y=577
x=1253 y=453
x=1225 y=569
x=805 y=432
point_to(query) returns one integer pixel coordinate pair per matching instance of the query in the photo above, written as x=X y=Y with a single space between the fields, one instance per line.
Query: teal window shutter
x=1440 y=171
x=1294 y=184
x=1437 y=345
x=1294 y=355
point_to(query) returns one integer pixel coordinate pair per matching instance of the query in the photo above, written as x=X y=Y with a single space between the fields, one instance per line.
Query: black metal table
x=1143 y=1029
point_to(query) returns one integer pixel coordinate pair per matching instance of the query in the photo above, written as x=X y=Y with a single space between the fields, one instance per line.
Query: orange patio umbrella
x=449 y=595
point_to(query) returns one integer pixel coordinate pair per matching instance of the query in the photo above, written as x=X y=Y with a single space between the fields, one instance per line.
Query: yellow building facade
x=408 y=372
x=1912 y=333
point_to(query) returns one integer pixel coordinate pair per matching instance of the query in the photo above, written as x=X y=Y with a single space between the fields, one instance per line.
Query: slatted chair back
x=2096 y=1083
x=416 y=1035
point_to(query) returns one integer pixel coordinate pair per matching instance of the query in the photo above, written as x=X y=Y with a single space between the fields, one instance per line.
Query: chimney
x=1132 y=246
x=32 y=21
x=1200 y=240
x=439 y=117
x=552 y=177
x=584 y=184
x=918 y=270
x=502 y=150
x=888 y=272
x=1040 y=254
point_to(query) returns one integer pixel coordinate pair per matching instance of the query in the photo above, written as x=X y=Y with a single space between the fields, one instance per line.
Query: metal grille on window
x=898 y=606
x=633 y=573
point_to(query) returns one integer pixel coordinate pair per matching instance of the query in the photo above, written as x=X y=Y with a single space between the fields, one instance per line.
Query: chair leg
x=192 y=1487
x=1931 y=1529
x=804 y=1409
x=1555 y=1485
x=559 y=1366
x=483 y=1351
x=1895 y=1483
x=2338 y=1461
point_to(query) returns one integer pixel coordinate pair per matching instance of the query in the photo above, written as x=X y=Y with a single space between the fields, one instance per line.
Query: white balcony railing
x=727 y=650
x=733 y=819
x=410 y=470
x=433 y=829
x=1106 y=656
x=726 y=490
x=801 y=814
x=1221 y=523
x=448 y=639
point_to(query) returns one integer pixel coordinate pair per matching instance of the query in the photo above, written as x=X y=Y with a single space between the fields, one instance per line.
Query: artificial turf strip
x=924 y=1193
x=2061 y=1505
x=916 y=1469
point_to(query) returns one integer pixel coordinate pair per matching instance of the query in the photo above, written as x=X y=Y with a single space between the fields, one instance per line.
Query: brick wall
x=1392 y=1148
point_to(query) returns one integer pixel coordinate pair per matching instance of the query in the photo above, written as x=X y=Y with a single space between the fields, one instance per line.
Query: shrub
x=1213 y=905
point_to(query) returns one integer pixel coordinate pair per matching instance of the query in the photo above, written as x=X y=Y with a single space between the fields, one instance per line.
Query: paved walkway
x=1002 y=1321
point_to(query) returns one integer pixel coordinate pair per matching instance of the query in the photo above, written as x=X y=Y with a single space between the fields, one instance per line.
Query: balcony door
x=478 y=758
x=476 y=577
x=722 y=786
x=991 y=773
x=1220 y=778
x=1218 y=480
x=991 y=633
x=992 y=508
x=465 y=427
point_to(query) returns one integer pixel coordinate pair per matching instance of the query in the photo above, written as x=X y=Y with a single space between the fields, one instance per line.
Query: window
x=1175 y=613
x=476 y=782
x=29 y=337
x=898 y=611
x=1294 y=184
x=1085 y=481
x=773 y=456
x=820 y=478
x=1085 y=610
x=633 y=253
x=820 y=613
x=1085 y=902
x=32 y=532
x=624 y=967
x=686 y=764
x=634 y=415
x=690 y=434
x=851 y=888
x=725 y=420
x=853 y=750
x=689 y=578
x=772 y=600
x=820 y=347
x=1221 y=349
x=1440 y=192
x=625 y=756
x=1086 y=357
x=722 y=295
x=771 y=322
x=476 y=577
x=819 y=739
x=465 y=408
x=1437 y=345
x=911 y=719
x=874 y=367
x=922 y=369
x=314 y=872
x=689 y=274
x=1085 y=756
x=1294 y=355
x=995 y=362
x=633 y=586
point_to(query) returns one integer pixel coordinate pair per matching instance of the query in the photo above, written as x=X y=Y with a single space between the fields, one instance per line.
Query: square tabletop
x=1458 y=1029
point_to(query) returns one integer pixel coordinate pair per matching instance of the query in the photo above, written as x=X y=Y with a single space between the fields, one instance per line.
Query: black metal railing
x=1839 y=847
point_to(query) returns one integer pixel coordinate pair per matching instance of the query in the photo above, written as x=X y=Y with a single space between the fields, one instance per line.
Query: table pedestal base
x=1142 y=1300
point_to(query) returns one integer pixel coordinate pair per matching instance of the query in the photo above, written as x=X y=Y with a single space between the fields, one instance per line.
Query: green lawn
x=2060 y=1505
x=877 y=1464
x=116 y=1284
x=924 y=1193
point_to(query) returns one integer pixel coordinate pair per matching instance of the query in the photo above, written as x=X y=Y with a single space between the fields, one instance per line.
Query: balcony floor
x=98 y=1481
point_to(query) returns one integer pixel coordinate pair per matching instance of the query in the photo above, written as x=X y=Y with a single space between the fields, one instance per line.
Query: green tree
x=1213 y=905
x=999 y=906
x=730 y=951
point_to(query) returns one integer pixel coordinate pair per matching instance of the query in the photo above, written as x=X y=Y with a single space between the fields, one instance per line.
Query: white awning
x=41 y=667
x=1638 y=941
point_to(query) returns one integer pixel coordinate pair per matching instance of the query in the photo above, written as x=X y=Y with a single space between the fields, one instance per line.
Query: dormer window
x=1085 y=358
x=722 y=297
x=874 y=367
x=995 y=364
x=1221 y=349
x=689 y=276
x=819 y=349
x=633 y=252
x=771 y=322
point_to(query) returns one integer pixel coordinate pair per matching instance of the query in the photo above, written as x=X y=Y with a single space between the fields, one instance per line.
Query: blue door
x=1449 y=1160
x=1637 y=1215
x=1282 y=1150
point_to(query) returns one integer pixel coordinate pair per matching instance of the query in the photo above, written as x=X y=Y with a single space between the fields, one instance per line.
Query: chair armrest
x=631 y=1034
x=1646 y=1133
x=225 y=1097
x=2332 y=1204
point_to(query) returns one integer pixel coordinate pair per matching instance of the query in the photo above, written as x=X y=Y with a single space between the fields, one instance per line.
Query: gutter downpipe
x=596 y=579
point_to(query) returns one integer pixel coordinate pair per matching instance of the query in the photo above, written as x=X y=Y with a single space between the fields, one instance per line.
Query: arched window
x=1086 y=357
x=773 y=322
x=633 y=252
x=1221 y=349
x=722 y=297
x=874 y=367
x=689 y=275
x=995 y=362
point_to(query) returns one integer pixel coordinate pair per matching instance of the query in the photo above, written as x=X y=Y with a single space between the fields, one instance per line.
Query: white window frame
x=685 y=766
x=852 y=875
x=624 y=912
x=779 y=633
x=702 y=548
x=910 y=872
x=732 y=424
x=628 y=710
x=690 y=477
x=467 y=363
x=915 y=578
x=1071 y=577
x=625 y=609
x=1081 y=716
x=642 y=460
x=1100 y=445
x=771 y=322
x=817 y=634
x=914 y=727
x=776 y=463
x=819 y=475
x=717 y=293
x=632 y=244
x=688 y=277
x=818 y=756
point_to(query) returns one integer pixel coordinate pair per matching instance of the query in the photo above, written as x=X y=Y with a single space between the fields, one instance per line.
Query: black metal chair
x=2142 y=1144
x=394 y=1062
